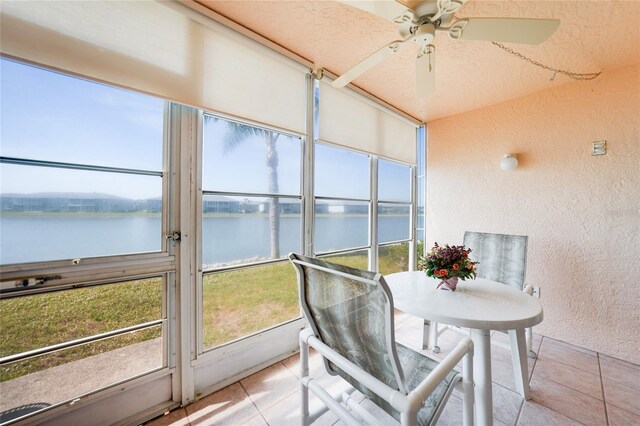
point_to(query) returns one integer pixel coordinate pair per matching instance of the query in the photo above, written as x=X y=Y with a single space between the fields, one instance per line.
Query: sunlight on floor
x=569 y=386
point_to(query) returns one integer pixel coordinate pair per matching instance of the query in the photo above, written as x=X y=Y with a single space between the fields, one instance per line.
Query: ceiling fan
x=418 y=22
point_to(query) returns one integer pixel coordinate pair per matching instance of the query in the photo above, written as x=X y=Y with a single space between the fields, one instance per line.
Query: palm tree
x=238 y=133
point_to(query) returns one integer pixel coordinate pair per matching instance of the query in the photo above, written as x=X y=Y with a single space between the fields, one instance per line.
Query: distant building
x=393 y=209
x=55 y=202
x=330 y=208
x=284 y=206
x=76 y=202
x=220 y=204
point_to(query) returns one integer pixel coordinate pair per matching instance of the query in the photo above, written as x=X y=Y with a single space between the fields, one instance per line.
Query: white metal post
x=482 y=376
x=430 y=336
x=520 y=361
x=186 y=133
x=308 y=201
x=304 y=391
x=413 y=221
x=467 y=387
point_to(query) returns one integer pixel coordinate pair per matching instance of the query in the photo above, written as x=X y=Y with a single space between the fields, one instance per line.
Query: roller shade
x=159 y=48
x=350 y=120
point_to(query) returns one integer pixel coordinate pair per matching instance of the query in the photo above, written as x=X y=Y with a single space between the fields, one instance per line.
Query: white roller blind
x=349 y=120
x=151 y=47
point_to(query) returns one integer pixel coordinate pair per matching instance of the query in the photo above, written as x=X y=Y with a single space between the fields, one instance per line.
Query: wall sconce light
x=509 y=162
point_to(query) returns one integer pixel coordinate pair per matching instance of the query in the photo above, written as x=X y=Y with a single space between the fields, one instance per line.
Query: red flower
x=456 y=266
x=443 y=272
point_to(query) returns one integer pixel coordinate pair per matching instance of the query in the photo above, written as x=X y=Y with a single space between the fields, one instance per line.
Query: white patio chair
x=350 y=314
x=503 y=258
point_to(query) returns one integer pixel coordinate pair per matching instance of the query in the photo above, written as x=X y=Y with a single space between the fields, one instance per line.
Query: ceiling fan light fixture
x=425 y=34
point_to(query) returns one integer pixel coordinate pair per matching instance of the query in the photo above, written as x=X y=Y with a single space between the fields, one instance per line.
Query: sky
x=48 y=116
x=52 y=117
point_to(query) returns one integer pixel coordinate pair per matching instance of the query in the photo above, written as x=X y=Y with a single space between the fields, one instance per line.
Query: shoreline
x=159 y=215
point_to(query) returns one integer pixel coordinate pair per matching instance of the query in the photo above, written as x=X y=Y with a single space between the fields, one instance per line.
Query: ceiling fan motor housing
x=425 y=34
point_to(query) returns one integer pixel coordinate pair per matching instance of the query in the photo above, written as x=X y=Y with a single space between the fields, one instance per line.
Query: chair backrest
x=351 y=311
x=503 y=258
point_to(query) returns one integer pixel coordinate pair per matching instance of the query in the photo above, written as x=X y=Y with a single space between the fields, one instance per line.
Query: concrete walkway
x=70 y=380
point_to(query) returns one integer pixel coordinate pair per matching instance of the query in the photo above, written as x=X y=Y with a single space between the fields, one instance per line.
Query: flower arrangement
x=448 y=263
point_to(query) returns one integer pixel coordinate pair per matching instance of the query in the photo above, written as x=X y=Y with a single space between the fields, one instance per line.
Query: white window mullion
x=183 y=139
x=373 y=213
x=308 y=170
x=413 y=221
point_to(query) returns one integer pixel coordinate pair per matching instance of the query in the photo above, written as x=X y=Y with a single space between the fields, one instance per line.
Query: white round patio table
x=481 y=305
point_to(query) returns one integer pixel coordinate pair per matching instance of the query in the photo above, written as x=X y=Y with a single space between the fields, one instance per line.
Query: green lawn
x=235 y=304
x=32 y=322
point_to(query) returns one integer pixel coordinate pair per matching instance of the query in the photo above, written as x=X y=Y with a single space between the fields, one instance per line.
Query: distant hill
x=74 y=195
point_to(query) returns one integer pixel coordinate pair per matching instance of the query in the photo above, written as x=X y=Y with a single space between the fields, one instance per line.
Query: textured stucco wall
x=581 y=213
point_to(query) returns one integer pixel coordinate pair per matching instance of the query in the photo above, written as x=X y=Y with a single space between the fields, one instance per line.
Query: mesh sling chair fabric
x=503 y=258
x=355 y=319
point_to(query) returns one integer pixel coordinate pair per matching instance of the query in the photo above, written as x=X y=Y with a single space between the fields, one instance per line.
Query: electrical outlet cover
x=599 y=148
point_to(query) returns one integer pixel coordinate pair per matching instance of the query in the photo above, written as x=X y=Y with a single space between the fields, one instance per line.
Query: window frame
x=9 y=268
x=412 y=217
x=204 y=354
x=374 y=202
x=69 y=274
x=368 y=200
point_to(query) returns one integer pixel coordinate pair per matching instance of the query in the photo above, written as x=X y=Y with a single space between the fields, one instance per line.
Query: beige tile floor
x=569 y=386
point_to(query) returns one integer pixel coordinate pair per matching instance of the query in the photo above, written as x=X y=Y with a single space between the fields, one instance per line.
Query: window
x=81 y=168
x=342 y=199
x=394 y=216
x=81 y=177
x=251 y=216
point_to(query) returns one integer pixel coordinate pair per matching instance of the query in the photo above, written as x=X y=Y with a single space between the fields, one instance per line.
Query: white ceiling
x=593 y=35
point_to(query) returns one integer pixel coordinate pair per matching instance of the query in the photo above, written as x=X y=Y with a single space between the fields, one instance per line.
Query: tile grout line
x=569 y=387
x=253 y=402
x=538 y=402
x=559 y=412
x=568 y=345
x=604 y=398
x=524 y=401
x=535 y=362
x=494 y=384
x=559 y=384
x=575 y=390
x=573 y=366
x=286 y=395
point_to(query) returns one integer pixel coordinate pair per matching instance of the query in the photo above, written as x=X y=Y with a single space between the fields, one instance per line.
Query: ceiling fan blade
x=426 y=72
x=447 y=7
x=387 y=9
x=401 y=15
x=508 y=30
x=369 y=62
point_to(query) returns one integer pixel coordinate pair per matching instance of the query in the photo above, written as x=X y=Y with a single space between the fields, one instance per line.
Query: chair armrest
x=367 y=380
x=426 y=387
x=398 y=400
x=528 y=289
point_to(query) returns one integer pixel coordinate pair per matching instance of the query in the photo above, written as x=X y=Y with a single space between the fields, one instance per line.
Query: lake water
x=34 y=237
